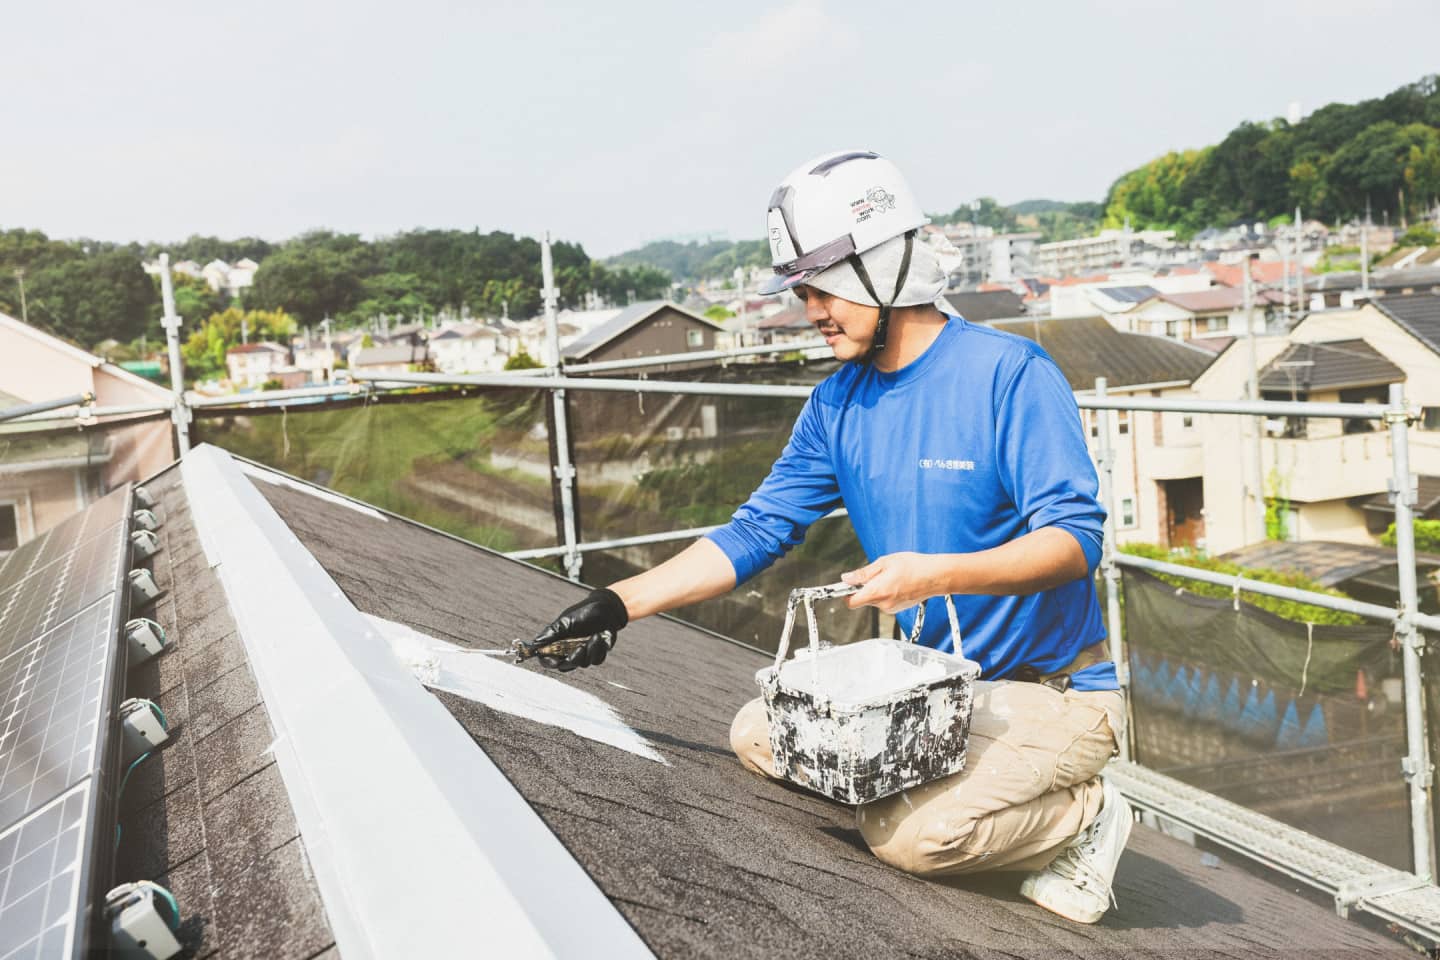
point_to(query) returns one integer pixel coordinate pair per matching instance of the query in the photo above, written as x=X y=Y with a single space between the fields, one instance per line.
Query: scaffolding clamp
x=1412 y=491
x=1417 y=768
x=1407 y=415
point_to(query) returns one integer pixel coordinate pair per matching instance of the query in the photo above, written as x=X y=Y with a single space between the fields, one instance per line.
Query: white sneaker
x=1076 y=885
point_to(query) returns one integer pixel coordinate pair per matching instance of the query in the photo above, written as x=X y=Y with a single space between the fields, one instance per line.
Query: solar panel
x=43 y=876
x=33 y=555
x=61 y=600
x=58 y=590
x=50 y=710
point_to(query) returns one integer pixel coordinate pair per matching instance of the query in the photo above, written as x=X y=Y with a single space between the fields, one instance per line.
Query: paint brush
x=521 y=652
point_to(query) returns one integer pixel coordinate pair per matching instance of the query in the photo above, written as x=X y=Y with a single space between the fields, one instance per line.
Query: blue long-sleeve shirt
x=974 y=444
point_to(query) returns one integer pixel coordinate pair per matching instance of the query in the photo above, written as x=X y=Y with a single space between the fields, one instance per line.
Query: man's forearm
x=698 y=572
x=1039 y=560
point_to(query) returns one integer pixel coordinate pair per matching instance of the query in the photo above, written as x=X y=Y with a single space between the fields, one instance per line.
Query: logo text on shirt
x=928 y=464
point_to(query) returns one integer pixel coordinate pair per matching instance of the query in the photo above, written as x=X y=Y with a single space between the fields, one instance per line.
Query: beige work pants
x=1029 y=785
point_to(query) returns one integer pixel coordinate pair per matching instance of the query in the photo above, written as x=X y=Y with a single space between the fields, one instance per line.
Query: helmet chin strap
x=882 y=327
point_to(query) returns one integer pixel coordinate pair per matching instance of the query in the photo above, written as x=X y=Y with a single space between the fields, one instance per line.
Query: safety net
x=1302 y=722
x=649 y=463
x=475 y=464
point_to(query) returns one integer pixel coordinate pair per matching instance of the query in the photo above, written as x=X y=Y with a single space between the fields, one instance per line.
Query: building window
x=1430 y=418
x=1123 y=418
x=1127 y=512
x=1187 y=420
x=694 y=338
x=9 y=527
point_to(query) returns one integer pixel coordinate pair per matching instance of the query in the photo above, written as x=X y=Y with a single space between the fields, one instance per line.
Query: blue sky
x=614 y=124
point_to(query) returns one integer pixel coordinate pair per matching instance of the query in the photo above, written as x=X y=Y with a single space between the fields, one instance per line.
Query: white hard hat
x=837 y=205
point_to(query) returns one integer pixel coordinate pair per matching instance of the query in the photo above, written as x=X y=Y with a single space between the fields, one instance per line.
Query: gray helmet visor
x=802 y=268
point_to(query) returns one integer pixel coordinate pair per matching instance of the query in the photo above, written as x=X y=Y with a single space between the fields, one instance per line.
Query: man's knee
x=750 y=738
x=919 y=841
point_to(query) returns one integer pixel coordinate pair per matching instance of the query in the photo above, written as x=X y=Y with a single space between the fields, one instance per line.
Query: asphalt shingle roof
x=1089 y=347
x=1328 y=366
x=989 y=305
x=1419 y=313
x=702 y=858
x=707 y=860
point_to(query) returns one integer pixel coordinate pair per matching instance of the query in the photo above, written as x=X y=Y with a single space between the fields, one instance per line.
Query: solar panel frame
x=97 y=783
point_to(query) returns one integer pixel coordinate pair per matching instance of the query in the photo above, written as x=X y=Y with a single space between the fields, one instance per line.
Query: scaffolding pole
x=1109 y=571
x=180 y=412
x=564 y=469
x=45 y=406
x=1418 y=771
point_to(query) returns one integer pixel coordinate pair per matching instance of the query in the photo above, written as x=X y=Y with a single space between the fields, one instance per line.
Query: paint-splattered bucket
x=862 y=721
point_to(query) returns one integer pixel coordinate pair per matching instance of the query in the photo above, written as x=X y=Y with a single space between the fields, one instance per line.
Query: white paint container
x=869 y=719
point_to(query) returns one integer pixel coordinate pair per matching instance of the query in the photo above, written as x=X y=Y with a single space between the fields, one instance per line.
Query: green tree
x=314 y=276
x=521 y=360
x=99 y=296
x=1427 y=536
x=204 y=350
x=718 y=312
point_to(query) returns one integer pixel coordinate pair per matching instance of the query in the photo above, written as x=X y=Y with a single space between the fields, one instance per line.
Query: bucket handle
x=806 y=597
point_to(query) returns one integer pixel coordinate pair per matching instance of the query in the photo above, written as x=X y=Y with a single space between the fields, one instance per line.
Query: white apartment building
x=1111 y=248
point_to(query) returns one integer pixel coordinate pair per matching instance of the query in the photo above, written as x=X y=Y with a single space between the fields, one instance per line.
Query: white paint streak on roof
x=500 y=685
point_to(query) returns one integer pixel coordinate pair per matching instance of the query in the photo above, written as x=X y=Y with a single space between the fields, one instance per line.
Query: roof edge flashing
x=409 y=826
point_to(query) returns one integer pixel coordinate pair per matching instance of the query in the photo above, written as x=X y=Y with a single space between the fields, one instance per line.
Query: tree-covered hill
x=1384 y=151
x=90 y=291
x=695 y=261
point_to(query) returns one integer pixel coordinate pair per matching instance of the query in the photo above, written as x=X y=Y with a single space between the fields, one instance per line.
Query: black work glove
x=596 y=620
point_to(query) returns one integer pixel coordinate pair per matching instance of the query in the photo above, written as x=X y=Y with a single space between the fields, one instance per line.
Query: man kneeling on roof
x=959 y=454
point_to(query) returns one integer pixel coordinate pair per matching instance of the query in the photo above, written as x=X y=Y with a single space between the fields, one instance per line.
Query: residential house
x=316 y=359
x=1159 y=464
x=1215 y=312
x=1116 y=293
x=466 y=348
x=251 y=364
x=649 y=328
x=49 y=470
x=390 y=358
x=1325 y=478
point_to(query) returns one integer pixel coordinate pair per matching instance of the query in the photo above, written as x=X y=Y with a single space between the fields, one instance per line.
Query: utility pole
x=1365 y=252
x=1284 y=280
x=1257 y=479
x=740 y=320
x=1299 y=264
x=180 y=412
x=244 y=331
x=24 y=309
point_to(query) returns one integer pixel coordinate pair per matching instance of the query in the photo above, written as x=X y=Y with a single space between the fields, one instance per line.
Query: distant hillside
x=692 y=262
x=1384 y=151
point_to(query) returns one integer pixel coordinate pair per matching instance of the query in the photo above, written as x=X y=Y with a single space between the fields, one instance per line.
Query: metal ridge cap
x=409 y=826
